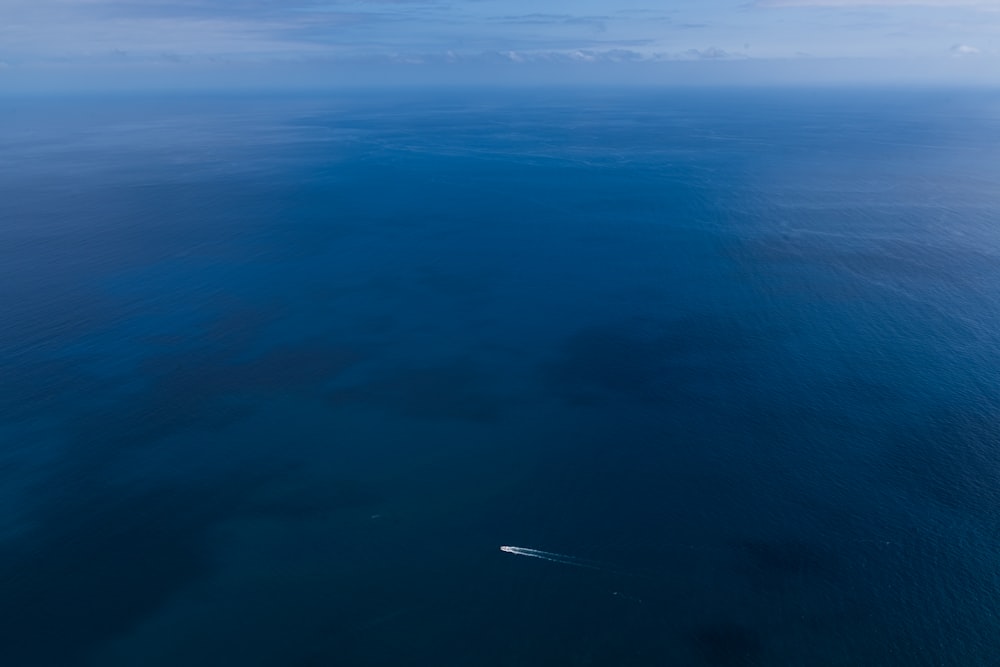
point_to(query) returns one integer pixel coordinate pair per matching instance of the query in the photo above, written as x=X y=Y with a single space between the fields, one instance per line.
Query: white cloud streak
x=445 y=33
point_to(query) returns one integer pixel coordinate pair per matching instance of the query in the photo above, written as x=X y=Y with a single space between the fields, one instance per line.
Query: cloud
x=583 y=56
x=193 y=35
x=964 y=50
x=75 y=30
x=711 y=53
x=556 y=57
x=553 y=19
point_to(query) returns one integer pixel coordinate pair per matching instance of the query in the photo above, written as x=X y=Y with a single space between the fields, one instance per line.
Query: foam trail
x=550 y=556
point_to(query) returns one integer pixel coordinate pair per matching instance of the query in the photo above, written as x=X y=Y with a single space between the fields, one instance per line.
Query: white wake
x=550 y=556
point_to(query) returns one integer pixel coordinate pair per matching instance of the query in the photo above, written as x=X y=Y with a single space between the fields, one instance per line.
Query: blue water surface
x=278 y=377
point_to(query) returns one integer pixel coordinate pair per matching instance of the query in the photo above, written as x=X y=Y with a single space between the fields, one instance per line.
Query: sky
x=103 y=43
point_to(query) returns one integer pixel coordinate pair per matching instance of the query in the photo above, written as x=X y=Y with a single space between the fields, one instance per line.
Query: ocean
x=279 y=375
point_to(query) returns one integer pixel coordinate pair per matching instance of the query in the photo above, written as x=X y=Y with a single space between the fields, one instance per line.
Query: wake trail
x=551 y=557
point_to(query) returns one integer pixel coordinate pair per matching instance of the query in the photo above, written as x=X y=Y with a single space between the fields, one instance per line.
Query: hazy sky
x=73 y=41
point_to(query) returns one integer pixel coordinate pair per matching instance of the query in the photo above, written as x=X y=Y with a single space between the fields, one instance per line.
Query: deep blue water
x=279 y=376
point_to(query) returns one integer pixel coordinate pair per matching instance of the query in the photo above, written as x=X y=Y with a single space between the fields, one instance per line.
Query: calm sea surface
x=278 y=377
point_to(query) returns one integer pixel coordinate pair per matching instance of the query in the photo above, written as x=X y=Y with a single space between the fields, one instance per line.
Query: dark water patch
x=376 y=325
x=776 y=563
x=241 y=324
x=233 y=329
x=387 y=291
x=608 y=361
x=219 y=371
x=299 y=365
x=105 y=556
x=158 y=413
x=727 y=645
x=458 y=390
x=652 y=362
x=33 y=387
x=196 y=392
x=472 y=289
x=296 y=495
x=101 y=564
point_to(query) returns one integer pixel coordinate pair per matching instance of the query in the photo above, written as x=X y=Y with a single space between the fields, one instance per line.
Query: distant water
x=278 y=377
